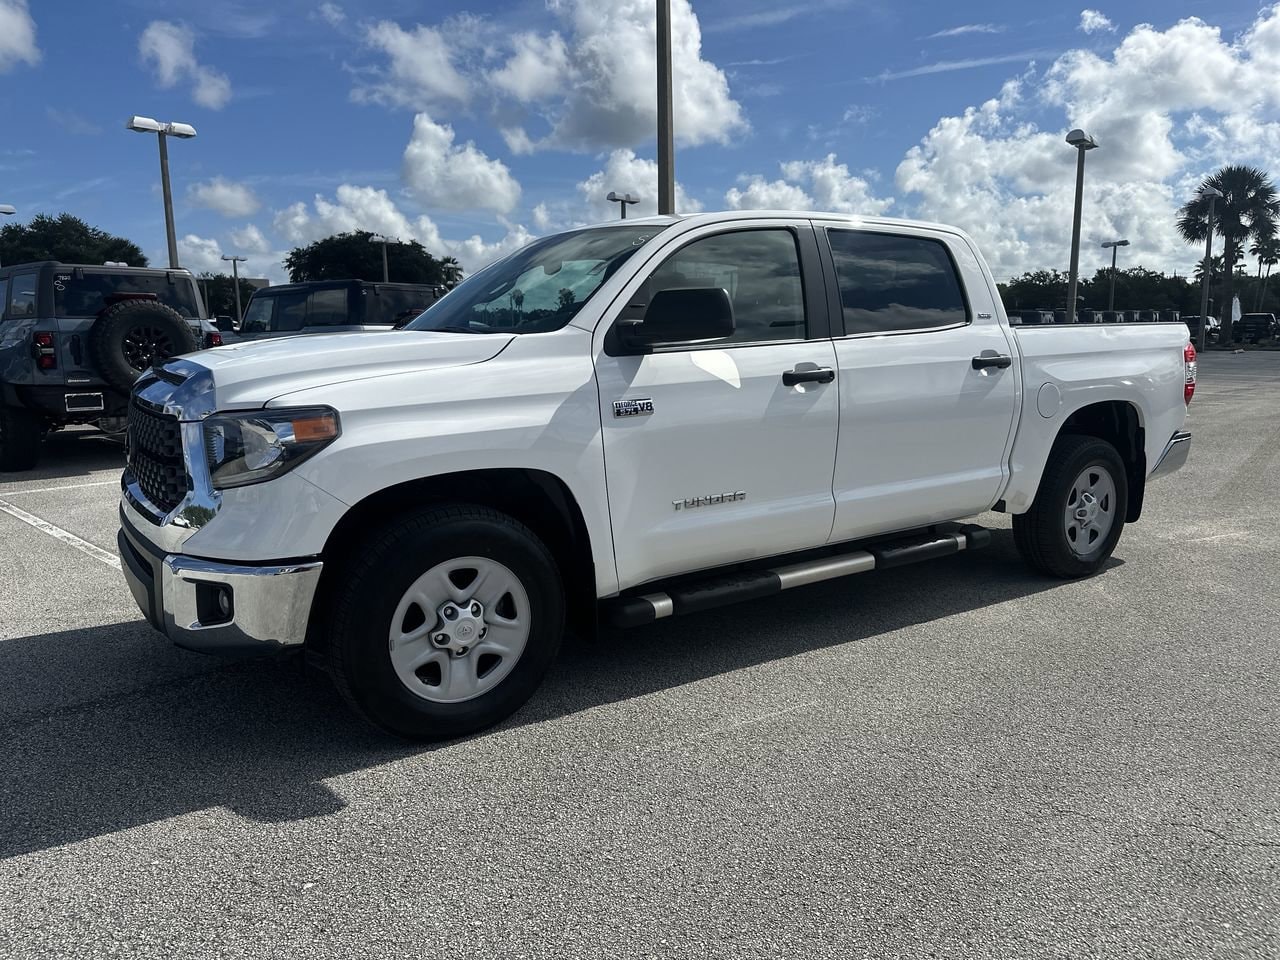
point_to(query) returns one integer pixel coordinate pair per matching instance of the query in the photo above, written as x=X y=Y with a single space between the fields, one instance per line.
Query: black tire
x=372 y=582
x=1041 y=534
x=20 y=436
x=130 y=337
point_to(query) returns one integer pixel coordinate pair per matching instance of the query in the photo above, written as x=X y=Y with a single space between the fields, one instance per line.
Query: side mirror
x=696 y=314
x=225 y=324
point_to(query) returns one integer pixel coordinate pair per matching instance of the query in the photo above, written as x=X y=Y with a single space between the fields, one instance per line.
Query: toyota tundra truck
x=624 y=423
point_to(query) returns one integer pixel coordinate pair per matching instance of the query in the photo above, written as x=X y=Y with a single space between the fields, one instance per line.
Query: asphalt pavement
x=956 y=759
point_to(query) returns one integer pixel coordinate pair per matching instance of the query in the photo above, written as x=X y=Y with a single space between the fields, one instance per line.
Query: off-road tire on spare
x=1040 y=534
x=131 y=336
x=371 y=579
x=20 y=435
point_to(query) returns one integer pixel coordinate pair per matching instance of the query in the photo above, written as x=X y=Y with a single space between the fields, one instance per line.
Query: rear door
x=710 y=457
x=928 y=382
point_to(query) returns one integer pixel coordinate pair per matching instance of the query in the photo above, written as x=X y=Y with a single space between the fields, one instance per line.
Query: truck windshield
x=540 y=287
x=88 y=294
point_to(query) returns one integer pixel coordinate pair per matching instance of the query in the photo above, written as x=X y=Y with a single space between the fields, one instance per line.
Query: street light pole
x=1213 y=195
x=183 y=131
x=666 y=138
x=379 y=238
x=235 y=279
x=1082 y=142
x=622 y=201
x=6 y=210
x=1114 y=245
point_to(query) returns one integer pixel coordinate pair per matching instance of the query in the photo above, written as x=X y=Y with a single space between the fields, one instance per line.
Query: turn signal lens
x=309 y=429
x=1190 y=368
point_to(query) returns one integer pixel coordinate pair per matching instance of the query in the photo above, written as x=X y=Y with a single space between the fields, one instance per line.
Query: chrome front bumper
x=267 y=607
x=1174 y=455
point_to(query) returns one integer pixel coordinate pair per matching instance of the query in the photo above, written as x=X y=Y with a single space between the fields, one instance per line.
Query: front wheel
x=1075 y=521
x=446 y=622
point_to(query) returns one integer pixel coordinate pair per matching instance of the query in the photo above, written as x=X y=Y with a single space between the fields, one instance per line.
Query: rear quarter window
x=21 y=298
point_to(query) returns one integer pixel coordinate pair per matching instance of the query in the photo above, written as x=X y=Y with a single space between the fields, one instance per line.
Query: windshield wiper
x=458 y=329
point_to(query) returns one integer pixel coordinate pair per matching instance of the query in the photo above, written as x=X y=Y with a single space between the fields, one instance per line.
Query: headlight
x=250 y=447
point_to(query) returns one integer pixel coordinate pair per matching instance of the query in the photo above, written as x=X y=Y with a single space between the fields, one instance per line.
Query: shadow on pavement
x=74 y=452
x=259 y=737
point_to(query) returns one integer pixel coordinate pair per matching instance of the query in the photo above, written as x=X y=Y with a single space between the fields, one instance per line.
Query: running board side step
x=718 y=591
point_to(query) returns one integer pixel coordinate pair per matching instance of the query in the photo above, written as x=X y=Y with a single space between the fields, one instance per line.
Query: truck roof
x=729 y=216
x=9 y=268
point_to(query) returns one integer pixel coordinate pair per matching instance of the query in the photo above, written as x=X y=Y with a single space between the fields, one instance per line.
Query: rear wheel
x=446 y=622
x=1078 y=513
x=20 y=435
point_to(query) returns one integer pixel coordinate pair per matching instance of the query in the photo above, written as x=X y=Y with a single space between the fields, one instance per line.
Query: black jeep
x=74 y=337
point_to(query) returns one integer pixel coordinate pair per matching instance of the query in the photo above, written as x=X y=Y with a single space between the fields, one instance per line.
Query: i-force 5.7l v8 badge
x=639 y=407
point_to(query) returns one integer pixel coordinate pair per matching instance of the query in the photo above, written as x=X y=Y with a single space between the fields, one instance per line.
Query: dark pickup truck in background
x=74 y=337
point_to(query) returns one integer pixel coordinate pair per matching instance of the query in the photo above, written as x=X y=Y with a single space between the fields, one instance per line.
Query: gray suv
x=74 y=337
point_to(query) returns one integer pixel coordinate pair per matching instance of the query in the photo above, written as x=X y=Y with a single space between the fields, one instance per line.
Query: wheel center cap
x=459 y=627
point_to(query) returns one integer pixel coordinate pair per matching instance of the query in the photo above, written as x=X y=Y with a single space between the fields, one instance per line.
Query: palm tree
x=1270 y=256
x=1247 y=210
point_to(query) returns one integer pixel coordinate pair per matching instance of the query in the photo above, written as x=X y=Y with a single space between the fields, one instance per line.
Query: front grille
x=155 y=456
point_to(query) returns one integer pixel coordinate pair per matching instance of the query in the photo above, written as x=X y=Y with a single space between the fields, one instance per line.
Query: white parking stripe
x=84 y=546
x=65 y=486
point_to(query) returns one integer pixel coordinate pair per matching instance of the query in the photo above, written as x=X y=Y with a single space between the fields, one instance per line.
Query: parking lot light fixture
x=622 y=201
x=1114 y=245
x=384 y=240
x=1210 y=194
x=1083 y=144
x=183 y=131
x=235 y=280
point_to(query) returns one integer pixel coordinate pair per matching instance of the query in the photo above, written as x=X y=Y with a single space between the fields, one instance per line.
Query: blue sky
x=475 y=125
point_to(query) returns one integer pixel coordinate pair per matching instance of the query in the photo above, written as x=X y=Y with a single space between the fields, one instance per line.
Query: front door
x=711 y=458
x=928 y=381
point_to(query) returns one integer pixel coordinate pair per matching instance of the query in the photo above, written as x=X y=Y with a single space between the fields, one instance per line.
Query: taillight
x=1189 y=370
x=214 y=340
x=46 y=353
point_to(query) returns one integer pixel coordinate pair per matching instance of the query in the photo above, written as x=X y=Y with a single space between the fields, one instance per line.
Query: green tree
x=218 y=290
x=1247 y=210
x=65 y=238
x=352 y=256
x=565 y=299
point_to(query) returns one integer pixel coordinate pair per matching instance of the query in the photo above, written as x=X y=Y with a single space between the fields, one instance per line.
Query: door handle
x=992 y=360
x=816 y=375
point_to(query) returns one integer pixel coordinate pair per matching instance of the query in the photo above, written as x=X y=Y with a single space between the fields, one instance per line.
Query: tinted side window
x=760 y=270
x=22 y=295
x=4 y=295
x=892 y=284
x=291 y=312
x=396 y=307
x=327 y=308
x=257 y=319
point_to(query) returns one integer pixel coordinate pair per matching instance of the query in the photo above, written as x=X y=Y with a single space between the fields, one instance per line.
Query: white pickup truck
x=627 y=422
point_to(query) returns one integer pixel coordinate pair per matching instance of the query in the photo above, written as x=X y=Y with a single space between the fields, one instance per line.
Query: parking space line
x=70 y=539
x=65 y=486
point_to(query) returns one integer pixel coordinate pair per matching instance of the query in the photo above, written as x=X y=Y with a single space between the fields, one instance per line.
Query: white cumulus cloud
x=251 y=239
x=1091 y=21
x=588 y=85
x=623 y=173
x=332 y=14
x=420 y=73
x=169 y=49
x=824 y=184
x=17 y=35
x=227 y=197
x=366 y=208
x=444 y=175
x=1166 y=106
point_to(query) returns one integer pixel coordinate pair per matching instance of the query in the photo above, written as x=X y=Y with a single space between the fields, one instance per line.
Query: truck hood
x=251 y=374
